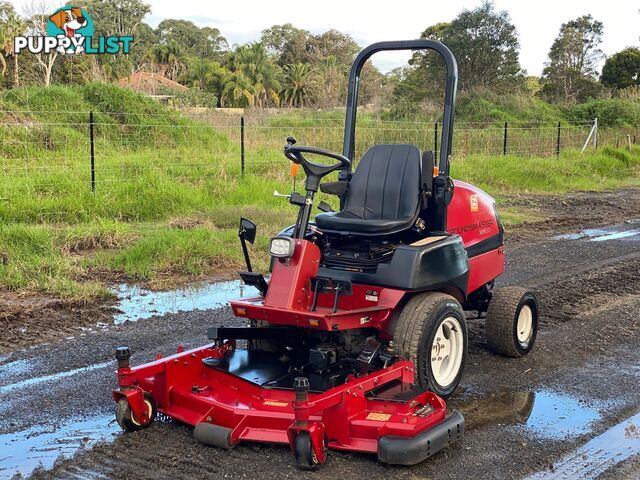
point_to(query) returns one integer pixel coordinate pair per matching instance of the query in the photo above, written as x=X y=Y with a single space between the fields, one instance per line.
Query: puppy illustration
x=69 y=21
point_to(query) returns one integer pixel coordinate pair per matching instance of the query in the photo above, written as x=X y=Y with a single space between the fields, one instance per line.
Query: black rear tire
x=501 y=325
x=415 y=338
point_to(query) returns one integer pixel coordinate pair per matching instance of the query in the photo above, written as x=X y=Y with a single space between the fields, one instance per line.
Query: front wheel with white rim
x=432 y=333
x=128 y=420
x=511 y=325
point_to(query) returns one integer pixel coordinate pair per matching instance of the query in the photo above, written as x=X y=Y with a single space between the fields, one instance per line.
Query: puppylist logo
x=70 y=31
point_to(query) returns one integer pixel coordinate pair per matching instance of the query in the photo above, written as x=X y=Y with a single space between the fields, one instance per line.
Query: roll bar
x=348 y=149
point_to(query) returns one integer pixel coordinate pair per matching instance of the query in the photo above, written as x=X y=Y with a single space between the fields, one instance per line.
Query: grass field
x=169 y=191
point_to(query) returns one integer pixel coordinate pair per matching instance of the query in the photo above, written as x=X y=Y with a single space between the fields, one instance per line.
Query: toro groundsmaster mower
x=360 y=331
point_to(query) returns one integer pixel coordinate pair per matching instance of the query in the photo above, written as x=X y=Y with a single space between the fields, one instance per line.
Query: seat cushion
x=383 y=195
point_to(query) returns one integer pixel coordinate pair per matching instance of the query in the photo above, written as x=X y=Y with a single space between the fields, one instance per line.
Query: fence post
x=595 y=133
x=558 y=142
x=435 y=142
x=504 y=143
x=92 y=153
x=242 y=146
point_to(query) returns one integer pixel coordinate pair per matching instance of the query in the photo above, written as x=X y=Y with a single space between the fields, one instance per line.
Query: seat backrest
x=386 y=183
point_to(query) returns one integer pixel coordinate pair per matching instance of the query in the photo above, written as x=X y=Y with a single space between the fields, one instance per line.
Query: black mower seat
x=383 y=196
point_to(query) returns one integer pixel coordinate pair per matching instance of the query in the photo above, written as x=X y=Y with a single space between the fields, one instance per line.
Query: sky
x=537 y=22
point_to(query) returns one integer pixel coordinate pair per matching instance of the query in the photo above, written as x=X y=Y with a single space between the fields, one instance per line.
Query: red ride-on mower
x=360 y=331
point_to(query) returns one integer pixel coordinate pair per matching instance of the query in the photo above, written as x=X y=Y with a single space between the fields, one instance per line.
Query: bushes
x=194 y=97
x=612 y=112
x=483 y=105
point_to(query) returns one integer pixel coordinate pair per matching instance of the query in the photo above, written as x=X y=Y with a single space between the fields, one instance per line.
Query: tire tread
x=412 y=323
x=499 y=322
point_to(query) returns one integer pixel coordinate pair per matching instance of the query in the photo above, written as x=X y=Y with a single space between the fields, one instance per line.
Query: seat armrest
x=334 y=188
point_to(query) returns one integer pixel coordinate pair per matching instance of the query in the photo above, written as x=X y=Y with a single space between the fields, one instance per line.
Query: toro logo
x=70 y=31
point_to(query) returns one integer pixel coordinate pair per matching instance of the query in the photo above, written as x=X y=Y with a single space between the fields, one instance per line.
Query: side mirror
x=247 y=230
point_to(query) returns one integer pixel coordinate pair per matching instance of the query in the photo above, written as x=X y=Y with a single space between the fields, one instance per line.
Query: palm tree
x=171 y=58
x=11 y=25
x=298 y=78
x=253 y=62
x=235 y=90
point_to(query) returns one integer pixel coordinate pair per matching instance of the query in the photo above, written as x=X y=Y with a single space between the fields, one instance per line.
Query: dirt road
x=549 y=414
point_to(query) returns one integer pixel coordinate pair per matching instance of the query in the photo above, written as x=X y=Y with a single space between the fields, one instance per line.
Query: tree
x=276 y=38
x=573 y=58
x=486 y=46
x=73 y=69
x=334 y=43
x=11 y=25
x=142 y=53
x=255 y=65
x=204 y=42
x=121 y=18
x=622 y=70
x=298 y=79
x=37 y=14
x=171 y=58
x=297 y=49
x=115 y=17
x=329 y=91
x=231 y=89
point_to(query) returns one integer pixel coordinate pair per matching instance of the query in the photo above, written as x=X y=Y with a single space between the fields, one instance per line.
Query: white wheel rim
x=149 y=409
x=524 y=328
x=446 y=352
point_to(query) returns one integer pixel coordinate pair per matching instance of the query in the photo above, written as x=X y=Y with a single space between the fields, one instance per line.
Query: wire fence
x=92 y=159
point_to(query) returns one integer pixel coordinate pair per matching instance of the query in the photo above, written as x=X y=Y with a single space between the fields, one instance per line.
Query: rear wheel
x=511 y=325
x=432 y=333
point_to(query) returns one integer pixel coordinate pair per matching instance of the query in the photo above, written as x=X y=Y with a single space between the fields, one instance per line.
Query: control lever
x=276 y=194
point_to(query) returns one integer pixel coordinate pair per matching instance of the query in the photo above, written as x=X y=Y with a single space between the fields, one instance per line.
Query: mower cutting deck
x=238 y=395
x=361 y=329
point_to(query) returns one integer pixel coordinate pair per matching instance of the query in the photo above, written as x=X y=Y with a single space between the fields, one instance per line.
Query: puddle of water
x=614 y=446
x=545 y=414
x=55 y=376
x=136 y=303
x=23 y=451
x=599 y=234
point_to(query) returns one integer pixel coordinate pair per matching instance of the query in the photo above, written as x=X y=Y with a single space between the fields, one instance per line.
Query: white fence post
x=592 y=133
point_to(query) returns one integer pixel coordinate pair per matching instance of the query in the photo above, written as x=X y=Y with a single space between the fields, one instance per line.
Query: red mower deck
x=212 y=390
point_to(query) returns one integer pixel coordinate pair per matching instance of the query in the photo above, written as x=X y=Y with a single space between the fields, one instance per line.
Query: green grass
x=606 y=169
x=168 y=200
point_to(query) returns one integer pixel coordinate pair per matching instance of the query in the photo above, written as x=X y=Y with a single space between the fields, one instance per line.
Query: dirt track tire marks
x=590 y=292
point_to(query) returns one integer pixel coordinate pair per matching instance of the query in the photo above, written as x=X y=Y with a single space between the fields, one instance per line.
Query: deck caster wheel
x=511 y=325
x=127 y=419
x=306 y=458
x=432 y=333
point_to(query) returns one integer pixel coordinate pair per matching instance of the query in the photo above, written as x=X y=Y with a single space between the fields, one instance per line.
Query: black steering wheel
x=311 y=169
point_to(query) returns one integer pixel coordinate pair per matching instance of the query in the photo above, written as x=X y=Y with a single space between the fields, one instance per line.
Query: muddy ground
x=523 y=416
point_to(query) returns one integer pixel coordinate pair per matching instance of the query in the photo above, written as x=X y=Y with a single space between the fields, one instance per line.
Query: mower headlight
x=281 y=247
